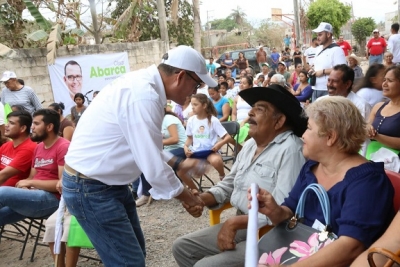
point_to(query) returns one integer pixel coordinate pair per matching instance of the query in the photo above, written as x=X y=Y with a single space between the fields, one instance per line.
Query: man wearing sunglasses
x=122 y=140
x=73 y=77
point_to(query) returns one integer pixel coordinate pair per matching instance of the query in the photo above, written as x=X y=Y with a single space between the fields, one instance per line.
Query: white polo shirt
x=363 y=106
x=326 y=60
x=119 y=135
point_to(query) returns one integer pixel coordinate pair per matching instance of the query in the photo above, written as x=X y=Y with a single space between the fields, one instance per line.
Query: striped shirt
x=25 y=97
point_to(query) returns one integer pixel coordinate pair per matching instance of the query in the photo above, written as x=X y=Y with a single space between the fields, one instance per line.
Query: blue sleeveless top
x=389 y=125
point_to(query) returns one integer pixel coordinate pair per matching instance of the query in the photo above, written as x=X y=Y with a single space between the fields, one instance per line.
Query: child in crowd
x=260 y=80
x=77 y=111
x=223 y=88
x=203 y=130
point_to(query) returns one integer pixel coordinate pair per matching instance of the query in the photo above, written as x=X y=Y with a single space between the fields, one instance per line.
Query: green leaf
x=37 y=15
x=78 y=32
x=37 y=35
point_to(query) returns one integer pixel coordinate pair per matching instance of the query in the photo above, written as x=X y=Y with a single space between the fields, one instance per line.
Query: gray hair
x=280 y=79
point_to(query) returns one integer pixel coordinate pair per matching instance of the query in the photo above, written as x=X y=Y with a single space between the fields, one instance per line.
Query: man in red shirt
x=16 y=155
x=344 y=45
x=376 y=48
x=38 y=195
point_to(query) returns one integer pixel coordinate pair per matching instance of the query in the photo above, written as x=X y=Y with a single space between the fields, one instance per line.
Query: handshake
x=195 y=208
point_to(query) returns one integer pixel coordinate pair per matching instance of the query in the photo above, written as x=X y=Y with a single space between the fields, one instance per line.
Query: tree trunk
x=162 y=19
x=197 y=25
x=96 y=29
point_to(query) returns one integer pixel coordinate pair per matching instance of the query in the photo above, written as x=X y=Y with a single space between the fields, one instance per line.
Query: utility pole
x=398 y=11
x=296 y=21
x=162 y=18
x=208 y=25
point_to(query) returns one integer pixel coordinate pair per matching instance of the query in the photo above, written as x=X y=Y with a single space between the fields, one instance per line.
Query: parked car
x=249 y=54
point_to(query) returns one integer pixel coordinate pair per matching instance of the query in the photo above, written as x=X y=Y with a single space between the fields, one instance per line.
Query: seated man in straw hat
x=272 y=158
x=354 y=63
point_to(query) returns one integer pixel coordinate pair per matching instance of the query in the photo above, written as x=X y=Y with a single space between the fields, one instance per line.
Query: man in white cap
x=376 y=47
x=328 y=54
x=15 y=93
x=119 y=138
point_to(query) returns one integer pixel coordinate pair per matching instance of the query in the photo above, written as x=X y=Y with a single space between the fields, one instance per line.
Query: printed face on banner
x=84 y=74
x=73 y=77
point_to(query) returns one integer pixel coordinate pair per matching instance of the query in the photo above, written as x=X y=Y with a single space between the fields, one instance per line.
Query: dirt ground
x=162 y=222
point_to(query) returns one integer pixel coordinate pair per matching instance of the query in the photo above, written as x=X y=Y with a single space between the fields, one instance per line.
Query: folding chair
x=232 y=128
x=26 y=232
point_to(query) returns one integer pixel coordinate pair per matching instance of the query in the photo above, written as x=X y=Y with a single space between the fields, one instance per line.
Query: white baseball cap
x=324 y=27
x=8 y=75
x=186 y=58
x=376 y=30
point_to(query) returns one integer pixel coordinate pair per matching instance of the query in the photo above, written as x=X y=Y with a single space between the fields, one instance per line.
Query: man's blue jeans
x=17 y=204
x=108 y=216
x=375 y=59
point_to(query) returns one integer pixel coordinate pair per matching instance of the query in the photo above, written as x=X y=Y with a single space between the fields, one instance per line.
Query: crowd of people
x=304 y=119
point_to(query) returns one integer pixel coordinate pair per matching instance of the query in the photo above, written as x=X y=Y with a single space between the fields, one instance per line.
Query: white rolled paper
x=252 y=230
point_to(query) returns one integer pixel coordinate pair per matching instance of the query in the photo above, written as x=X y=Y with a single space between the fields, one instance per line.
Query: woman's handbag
x=392 y=257
x=77 y=236
x=292 y=241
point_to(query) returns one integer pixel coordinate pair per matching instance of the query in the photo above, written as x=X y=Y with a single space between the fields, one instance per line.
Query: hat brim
x=283 y=100
x=4 y=79
x=207 y=79
x=355 y=58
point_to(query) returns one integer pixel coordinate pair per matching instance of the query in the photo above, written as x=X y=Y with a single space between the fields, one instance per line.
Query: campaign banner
x=84 y=74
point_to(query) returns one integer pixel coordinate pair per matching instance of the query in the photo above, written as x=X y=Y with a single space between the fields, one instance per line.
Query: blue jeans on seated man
x=108 y=216
x=17 y=204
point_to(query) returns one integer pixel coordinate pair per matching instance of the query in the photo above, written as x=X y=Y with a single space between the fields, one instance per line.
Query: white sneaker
x=143 y=200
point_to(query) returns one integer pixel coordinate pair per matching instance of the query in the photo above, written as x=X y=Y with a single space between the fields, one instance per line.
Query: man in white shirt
x=328 y=54
x=309 y=54
x=340 y=83
x=118 y=138
x=394 y=43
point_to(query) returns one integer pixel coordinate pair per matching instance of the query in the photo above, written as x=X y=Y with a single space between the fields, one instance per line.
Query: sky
x=257 y=10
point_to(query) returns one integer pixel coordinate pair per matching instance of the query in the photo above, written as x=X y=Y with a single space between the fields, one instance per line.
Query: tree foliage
x=270 y=34
x=361 y=29
x=147 y=16
x=227 y=24
x=331 y=11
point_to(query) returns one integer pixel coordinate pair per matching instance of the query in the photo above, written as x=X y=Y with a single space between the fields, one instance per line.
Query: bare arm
x=174 y=136
x=389 y=240
x=225 y=112
x=6 y=173
x=234 y=109
x=68 y=132
x=226 y=139
x=332 y=255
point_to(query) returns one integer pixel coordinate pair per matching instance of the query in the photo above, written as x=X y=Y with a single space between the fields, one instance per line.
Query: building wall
x=31 y=64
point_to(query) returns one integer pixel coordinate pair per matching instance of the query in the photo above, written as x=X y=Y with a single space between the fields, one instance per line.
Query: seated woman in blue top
x=302 y=90
x=359 y=214
x=221 y=104
x=384 y=118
